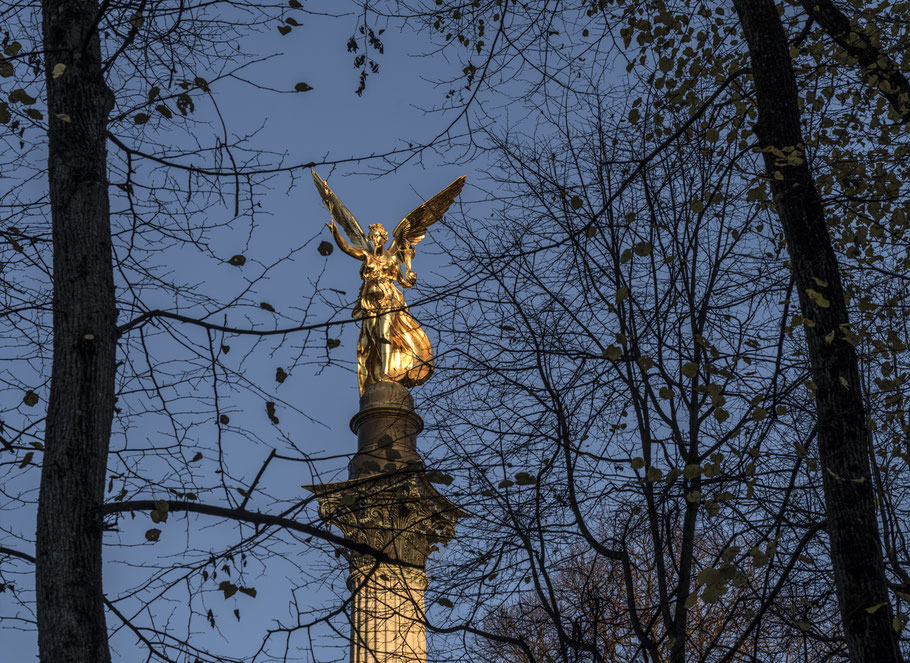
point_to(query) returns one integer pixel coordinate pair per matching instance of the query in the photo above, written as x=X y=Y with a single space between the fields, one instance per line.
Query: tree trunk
x=844 y=439
x=70 y=605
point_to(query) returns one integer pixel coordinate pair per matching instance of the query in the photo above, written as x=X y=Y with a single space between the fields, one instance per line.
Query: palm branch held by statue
x=392 y=347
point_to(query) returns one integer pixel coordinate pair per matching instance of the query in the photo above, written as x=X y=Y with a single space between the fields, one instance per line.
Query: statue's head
x=378 y=235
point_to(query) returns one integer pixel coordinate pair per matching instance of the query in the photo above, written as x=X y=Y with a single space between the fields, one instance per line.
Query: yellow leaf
x=692 y=470
x=758 y=193
x=818 y=298
x=58 y=70
x=612 y=352
x=522 y=479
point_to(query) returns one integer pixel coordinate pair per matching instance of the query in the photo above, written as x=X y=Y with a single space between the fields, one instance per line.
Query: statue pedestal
x=388 y=504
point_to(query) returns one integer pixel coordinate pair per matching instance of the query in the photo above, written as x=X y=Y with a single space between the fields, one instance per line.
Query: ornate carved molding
x=400 y=514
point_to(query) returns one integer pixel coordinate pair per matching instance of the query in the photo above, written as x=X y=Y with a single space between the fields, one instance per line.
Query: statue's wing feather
x=413 y=227
x=340 y=213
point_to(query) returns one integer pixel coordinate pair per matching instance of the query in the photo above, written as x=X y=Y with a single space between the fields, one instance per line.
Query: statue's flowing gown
x=385 y=319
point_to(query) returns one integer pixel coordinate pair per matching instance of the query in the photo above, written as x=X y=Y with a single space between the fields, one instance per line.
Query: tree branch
x=257 y=518
x=16 y=553
x=772 y=595
x=879 y=70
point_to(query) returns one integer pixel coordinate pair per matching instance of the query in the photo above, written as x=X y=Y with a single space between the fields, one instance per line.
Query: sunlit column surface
x=387 y=620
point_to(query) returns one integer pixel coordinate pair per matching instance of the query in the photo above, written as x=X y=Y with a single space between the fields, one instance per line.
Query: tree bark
x=844 y=439
x=70 y=599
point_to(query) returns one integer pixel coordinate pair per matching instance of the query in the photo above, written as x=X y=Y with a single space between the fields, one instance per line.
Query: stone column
x=388 y=504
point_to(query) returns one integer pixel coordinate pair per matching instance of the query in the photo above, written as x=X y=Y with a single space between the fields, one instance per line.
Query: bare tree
x=656 y=338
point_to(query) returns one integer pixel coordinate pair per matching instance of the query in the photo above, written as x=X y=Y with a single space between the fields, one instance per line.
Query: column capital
x=400 y=514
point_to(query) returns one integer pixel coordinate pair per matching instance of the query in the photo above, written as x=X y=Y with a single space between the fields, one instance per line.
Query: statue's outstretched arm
x=343 y=245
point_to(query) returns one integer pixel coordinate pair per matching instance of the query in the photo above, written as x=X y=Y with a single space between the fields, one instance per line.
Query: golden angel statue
x=392 y=346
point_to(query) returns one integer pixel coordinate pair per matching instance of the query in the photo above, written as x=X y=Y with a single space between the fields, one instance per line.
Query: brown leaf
x=228 y=588
x=270 y=411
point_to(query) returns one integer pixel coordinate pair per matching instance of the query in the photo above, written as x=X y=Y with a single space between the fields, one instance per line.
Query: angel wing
x=413 y=227
x=340 y=213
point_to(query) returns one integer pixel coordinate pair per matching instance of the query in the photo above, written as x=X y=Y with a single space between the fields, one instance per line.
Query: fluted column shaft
x=387 y=617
